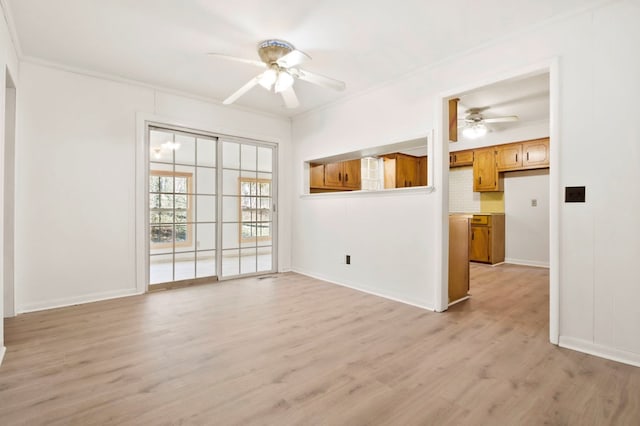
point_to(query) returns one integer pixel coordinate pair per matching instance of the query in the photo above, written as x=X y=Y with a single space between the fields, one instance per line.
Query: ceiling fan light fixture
x=267 y=78
x=474 y=131
x=284 y=81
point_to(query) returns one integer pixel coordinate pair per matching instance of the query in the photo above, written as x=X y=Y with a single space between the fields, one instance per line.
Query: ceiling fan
x=474 y=123
x=280 y=61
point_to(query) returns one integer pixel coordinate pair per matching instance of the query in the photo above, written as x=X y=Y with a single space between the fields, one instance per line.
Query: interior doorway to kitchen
x=501 y=178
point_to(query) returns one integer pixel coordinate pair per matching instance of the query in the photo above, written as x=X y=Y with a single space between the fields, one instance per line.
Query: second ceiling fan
x=280 y=61
x=474 y=123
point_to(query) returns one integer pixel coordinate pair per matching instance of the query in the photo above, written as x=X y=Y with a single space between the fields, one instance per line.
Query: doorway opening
x=500 y=186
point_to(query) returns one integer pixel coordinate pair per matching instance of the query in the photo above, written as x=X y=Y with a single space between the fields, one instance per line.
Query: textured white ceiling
x=362 y=42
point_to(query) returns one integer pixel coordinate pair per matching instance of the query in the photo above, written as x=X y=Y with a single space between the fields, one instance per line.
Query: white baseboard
x=77 y=300
x=525 y=262
x=3 y=350
x=601 y=351
x=395 y=298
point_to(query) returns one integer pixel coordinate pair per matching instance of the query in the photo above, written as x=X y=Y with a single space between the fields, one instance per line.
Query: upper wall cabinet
x=535 y=153
x=401 y=171
x=461 y=158
x=339 y=176
x=485 y=173
x=525 y=155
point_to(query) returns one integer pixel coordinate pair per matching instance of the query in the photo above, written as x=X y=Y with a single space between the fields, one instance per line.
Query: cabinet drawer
x=481 y=220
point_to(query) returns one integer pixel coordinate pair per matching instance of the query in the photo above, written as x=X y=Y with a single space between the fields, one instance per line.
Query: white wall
x=597 y=147
x=8 y=61
x=527 y=226
x=76 y=178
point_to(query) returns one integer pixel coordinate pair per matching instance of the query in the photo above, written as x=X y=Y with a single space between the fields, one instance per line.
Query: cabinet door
x=458 y=257
x=316 y=175
x=422 y=171
x=406 y=171
x=536 y=153
x=480 y=245
x=351 y=171
x=333 y=175
x=461 y=158
x=485 y=174
x=509 y=157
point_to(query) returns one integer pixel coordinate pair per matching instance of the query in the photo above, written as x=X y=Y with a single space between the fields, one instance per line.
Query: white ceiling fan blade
x=241 y=91
x=290 y=98
x=293 y=58
x=321 y=80
x=501 y=119
x=259 y=64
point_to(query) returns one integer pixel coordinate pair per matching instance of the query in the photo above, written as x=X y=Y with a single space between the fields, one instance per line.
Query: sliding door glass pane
x=182 y=205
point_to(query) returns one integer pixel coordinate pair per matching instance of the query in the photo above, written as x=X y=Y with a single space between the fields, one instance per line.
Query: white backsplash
x=462 y=199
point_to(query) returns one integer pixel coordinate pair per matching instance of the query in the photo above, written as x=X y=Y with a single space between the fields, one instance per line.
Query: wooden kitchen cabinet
x=461 y=158
x=316 y=175
x=339 y=176
x=485 y=173
x=533 y=154
x=400 y=170
x=487 y=238
x=423 y=163
x=509 y=157
x=458 y=257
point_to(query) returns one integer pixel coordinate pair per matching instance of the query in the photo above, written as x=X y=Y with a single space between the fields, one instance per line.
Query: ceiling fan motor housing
x=272 y=50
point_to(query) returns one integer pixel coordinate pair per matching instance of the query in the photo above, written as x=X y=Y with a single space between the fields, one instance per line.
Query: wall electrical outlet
x=348 y=259
x=534 y=203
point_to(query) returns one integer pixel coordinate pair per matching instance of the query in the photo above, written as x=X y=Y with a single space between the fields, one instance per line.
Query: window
x=255 y=210
x=170 y=208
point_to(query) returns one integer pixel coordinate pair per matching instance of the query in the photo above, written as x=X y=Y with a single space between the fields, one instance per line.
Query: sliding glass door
x=248 y=208
x=188 y=192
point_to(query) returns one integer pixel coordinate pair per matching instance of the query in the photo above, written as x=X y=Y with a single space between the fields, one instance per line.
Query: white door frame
x=441 y=151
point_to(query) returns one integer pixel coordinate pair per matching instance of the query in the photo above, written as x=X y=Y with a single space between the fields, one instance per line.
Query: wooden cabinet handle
x=340 y=176
x=472 y=235
x=516 y=158
x=527 y=155
x=346 y=177
x=479 y=180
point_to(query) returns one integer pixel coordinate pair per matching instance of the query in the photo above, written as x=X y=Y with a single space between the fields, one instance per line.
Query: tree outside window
x=170 y=208
x=255 y=209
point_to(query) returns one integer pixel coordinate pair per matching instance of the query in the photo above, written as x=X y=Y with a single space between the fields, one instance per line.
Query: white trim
x=551 y=66
x=601 y=351
x=78 y=300
x=363 y=290
x=525 y=262
x=555 y=195
x=414 y=190
x=3 y=350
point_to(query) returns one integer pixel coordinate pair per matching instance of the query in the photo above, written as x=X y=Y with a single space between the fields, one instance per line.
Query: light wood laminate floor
x=294 y=350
